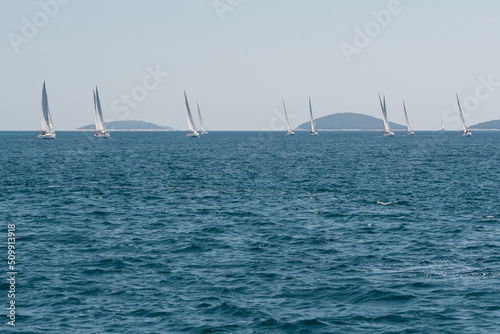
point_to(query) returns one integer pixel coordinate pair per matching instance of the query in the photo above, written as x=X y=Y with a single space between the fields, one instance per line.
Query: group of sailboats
x=388 y=133
x=192 y=129
x=48 y=131
x=290 y=131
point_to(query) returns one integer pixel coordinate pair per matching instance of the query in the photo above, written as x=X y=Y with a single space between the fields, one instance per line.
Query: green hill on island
x=490 y=125
x=129 y=125
x=350 y=121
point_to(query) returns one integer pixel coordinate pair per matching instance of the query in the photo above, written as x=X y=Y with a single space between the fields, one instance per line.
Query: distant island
x=129 y=125
x=490 y=125
x=350 y=121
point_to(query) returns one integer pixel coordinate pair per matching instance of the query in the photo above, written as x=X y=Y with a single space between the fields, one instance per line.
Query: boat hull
x=192 y=134
x=102 y=135
x=314 y=133
x=388 y=134
x=410 y=133
x=47 y=136
x=466 y=134
x=204 y=133
x=290 y=133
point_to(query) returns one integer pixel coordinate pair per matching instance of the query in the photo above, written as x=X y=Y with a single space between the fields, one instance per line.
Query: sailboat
x=290 y=132
x=203 y=130
x=442 y=127
x=314 y=132
x=388 y=132
x=100 y=130
x=466 y=132
x=410 y=131
x=47 y=126
x=192 y=129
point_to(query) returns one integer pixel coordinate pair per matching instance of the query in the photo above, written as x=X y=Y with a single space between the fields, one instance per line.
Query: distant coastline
x=489 y=126
x=343 y=122
x=350 y=122
x=128 y=125
x=126 y=130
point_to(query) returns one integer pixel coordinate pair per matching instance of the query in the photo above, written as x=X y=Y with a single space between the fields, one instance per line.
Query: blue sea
x=252 y=232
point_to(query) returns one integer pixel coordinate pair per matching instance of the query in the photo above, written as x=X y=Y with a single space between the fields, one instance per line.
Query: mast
x=406 y=117
x=189 y=116
x=286 y=117
x=461 y=115
x=201 y=119
x=313 y=129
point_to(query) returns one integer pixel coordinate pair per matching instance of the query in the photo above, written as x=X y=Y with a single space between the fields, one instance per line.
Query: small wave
x=311 y=322
x=229 y=309
x=269 y=322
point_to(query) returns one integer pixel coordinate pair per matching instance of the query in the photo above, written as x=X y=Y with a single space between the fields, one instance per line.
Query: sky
x=240 y=58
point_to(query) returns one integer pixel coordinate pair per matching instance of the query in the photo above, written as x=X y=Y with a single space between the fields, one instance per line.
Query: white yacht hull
x=204 y=133
x=193 y=134
x=47 y=136
x=314 y=133
x=466 y=134
x=290 y=133
x=102 y=135
x=410 y=133
x=388 y=134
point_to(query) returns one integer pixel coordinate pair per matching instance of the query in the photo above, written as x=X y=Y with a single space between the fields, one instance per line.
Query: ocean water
x=247 y=232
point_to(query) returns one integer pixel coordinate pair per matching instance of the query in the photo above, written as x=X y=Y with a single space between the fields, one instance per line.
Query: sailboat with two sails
x=100 y=129
x=410 y=131
x=47 y=126
x=192 y=129
x=387 y=132
x=466 y=132
x=290 y=132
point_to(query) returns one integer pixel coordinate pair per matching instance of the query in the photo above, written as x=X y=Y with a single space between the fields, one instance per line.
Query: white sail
x=313 y=128
x=406 y=117
x=47 y=125
x=189 y=117
x=99 y=120
x=289 y=128
x=203 y=130
x=464 y=126
x=384 y=114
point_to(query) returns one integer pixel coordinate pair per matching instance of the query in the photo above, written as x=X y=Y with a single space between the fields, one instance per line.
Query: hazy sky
x=239 y=58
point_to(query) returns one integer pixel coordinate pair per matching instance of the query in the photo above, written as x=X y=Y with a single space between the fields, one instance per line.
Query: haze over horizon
x=239 y=59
